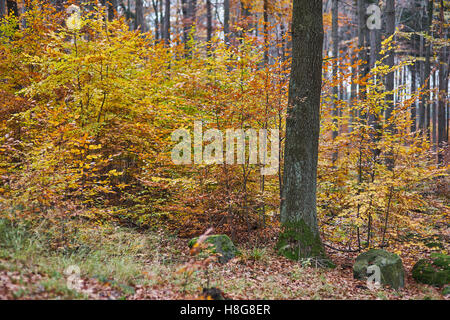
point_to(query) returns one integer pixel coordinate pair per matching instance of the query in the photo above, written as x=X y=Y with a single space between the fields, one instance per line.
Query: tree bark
x=112 y=7
x=156 y=20
x=208 y=21
x=428 y=68
x=335 y=40
x=266 y=31
x=166 y=27
x=226 y=20
x=300 y=235
x=390 y=29
x=413 y=86
x=443 y=90
x=139 y=18
x=362 y=26
x=12 y=7
x=2 y=8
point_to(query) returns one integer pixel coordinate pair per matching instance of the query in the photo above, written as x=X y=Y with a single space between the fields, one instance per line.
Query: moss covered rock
x=221 y=244
x=446 y=291
x=435 y=271
x=390 y=264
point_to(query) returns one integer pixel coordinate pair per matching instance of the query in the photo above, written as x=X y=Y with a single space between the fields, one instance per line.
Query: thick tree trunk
x=300 y=235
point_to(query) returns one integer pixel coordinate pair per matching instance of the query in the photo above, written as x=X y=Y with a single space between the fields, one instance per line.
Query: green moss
x=390 y=264
x=221 y=244
x=297 y=241
x=446 y=291
x=435 y=272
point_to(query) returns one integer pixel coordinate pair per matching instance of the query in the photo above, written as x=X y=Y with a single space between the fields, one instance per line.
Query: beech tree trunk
x=335 y=40
x=226 y=20
x=300 y=234
x=166 y=23
x=442 y=135
x=139 y=18
x=390 y=28
x=156 y=20
x=427 y=75
x=208 y=21
x=12 y=7
x=2 y=8
x=362 y=26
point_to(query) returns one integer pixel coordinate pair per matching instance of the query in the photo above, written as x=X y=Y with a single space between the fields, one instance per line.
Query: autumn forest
x=224 y=149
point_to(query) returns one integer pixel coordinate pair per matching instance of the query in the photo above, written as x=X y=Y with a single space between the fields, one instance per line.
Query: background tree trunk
x=112 y=7
x=442 y=136
x=427 y=70
x=139 y=18
x=226 y=20
x=208 y=21
x=335 y=40
x=362 y=26
x=2 y=8
x=390 y=29
x=166 y=27
x=12 y=7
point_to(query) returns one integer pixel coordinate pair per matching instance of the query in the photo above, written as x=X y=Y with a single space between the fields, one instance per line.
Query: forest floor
x=124 y=263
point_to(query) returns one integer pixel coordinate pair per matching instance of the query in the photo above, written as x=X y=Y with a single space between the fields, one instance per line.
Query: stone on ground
x=222 y=245
x=390 y=264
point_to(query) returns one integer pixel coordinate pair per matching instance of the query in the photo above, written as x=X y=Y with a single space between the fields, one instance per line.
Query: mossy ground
x=124 y=263
x=297 y=241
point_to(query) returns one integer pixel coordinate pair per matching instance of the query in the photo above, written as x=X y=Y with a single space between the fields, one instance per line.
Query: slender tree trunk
x=156 y=20
x=2 y=8
x=434 y=102
x=139 y=18
x=427 y=75
x=189 y=14
x=353 y=93
x=443 y=89
x=413 y=86
x=362 y=26
x=335 y=40
x=112 y=7
x=12 y=7
x=390 y=28
x=166 y=24
x=209 y=29
x=300 y=236
x=266 y=32
x=421 y=126
x=226 y=20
